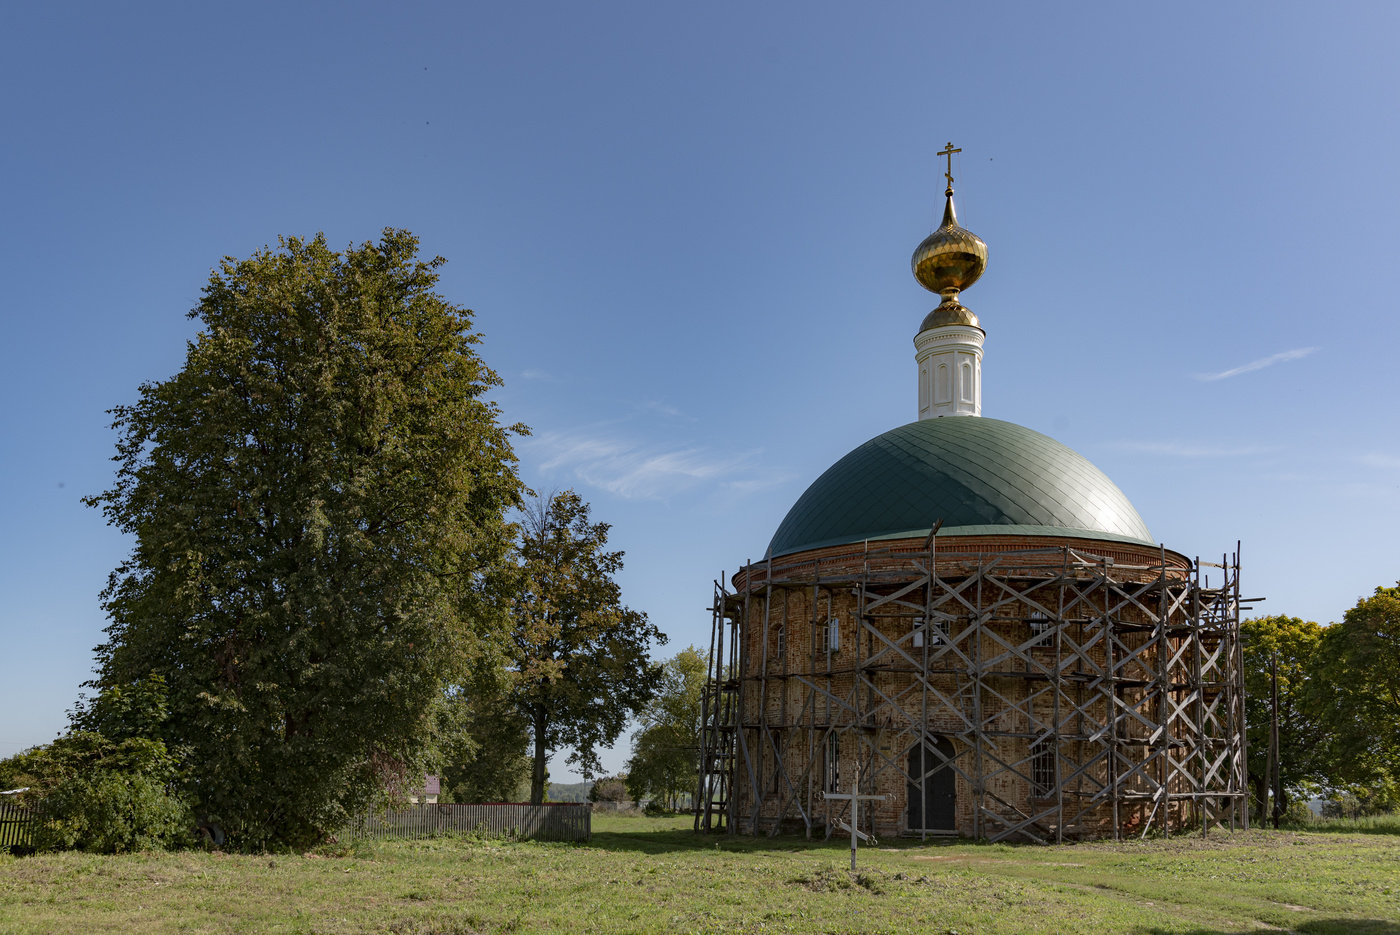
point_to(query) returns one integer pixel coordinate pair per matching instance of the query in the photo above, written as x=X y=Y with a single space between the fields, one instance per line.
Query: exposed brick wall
x=787 y=716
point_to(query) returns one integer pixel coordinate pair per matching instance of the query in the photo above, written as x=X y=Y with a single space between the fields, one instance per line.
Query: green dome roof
x=980 y=476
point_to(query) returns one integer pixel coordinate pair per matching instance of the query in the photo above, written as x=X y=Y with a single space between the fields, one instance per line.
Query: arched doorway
x=935 y=809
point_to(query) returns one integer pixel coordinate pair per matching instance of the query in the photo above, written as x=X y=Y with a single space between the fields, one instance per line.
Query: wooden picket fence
x=553 y=821
x=16 y=825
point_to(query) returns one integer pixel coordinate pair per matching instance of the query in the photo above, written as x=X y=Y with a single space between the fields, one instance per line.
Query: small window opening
x=829 y=635
x=1040 y=629
x=938 y=633
x=1043 y=768
x=833 y=762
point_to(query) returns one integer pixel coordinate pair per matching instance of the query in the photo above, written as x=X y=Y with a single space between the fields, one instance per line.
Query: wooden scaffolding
x=1072 y=695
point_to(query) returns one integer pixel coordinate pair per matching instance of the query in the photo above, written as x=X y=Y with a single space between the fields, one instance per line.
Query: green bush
x=102 y=795
x=1362 y=801
x=110 y=812
x=609 y=789
x=1299 y=813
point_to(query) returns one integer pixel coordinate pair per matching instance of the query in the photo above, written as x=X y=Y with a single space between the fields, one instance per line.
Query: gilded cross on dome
x=951 y=258
x=949 y=174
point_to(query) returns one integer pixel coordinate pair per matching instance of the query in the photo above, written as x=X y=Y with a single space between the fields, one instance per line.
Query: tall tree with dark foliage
x=666 y=750
x=317 y=503
x=581 y=667
x=1357 y=692
x=1302 y=754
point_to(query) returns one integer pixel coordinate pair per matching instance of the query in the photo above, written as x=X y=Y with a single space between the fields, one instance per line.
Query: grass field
x=653 y=875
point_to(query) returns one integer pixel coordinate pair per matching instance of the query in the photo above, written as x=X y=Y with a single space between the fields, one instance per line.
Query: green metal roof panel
x=980 y=476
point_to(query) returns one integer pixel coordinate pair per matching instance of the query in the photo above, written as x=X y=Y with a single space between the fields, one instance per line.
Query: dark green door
x=934 y=810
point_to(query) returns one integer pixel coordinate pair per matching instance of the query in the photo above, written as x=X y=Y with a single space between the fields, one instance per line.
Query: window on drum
x=1042 y=629
x=833 y=762
x=937 y=634
x=829 y=635
x=1043 y=768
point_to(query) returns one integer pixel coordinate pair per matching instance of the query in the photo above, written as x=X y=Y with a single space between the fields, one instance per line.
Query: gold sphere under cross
x=952 y=257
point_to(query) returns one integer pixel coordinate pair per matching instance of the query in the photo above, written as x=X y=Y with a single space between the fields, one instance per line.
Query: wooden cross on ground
x=855 y=801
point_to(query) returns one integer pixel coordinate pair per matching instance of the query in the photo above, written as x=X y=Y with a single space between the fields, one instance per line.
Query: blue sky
x=685 y=230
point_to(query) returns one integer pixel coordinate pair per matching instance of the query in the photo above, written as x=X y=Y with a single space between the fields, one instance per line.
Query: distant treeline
x=569 y=791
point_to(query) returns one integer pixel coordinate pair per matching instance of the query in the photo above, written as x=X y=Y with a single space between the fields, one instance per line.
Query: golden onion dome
x=951 y=258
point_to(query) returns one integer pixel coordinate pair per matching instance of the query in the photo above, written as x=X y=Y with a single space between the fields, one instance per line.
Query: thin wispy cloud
x=537 y=374
x=1259 y=364
x=757 y=484
x=655 y=405
x=1381 y=461
x=1363 y=490
x=638 y=471
x=1178 y=449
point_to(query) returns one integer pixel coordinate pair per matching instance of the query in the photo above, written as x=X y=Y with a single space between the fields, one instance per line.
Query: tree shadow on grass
x=1312 y=927
x=657 y=842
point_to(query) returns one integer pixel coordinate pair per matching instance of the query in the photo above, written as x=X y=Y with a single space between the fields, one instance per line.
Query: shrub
x=1361 y=801
x=1299 y=813
x=102 y=795
x=609 y=789
x=112 y=812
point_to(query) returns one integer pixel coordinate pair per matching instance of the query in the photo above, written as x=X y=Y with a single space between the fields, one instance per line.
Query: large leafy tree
x=1294 y=642
x=485 y=742
x=666 y=750
x=317 y=503
x=581 y=667
x=1357 y=695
